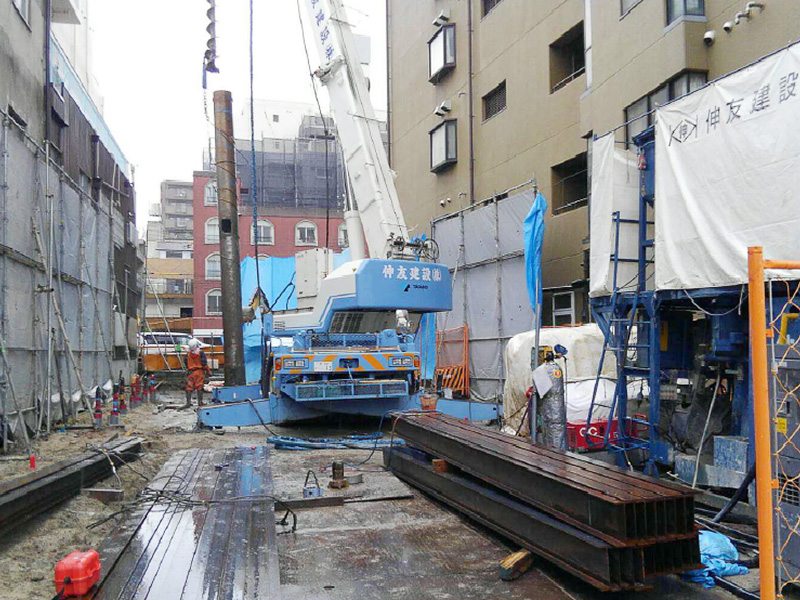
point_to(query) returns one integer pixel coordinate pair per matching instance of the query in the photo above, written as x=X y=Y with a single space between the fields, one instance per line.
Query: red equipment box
x=577 y=433
x=77 y=573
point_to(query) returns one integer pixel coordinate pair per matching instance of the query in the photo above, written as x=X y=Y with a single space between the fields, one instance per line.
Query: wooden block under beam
x=104 y=495
x=515 y=565
x=440 y=465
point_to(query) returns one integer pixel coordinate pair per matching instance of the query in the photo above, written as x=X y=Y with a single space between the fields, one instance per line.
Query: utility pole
x=232 y=322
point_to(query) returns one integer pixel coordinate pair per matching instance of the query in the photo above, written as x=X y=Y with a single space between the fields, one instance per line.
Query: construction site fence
x=774 y=304
x=452 y=360
x=483 y=248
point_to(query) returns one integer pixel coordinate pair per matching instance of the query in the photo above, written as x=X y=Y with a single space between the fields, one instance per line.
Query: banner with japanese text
x=728 y=175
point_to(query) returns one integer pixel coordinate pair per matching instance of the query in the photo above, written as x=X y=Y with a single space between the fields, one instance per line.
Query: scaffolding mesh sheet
x=483 y=248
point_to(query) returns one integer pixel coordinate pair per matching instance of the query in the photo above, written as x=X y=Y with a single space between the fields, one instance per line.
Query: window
x=210 y=194
x=342 y=238
x=213 y=267
x=494 y=102
x=684 y=8
x=636 y=114
x=443 y=145
x=23 y=8
x=627 y=5
x=563 y=308
x=276 y=118
x=567 y=58
x=305 y=234
x=173 y=254
x=212 y=231
x=488 y=5
x=442 y=53
x=264 y=232
x=85 y=184
x=214 y=302
x=570 y=184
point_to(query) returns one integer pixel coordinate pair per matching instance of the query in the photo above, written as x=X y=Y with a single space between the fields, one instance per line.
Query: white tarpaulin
x=728 y=175
x=615 y=187
x=584 y=346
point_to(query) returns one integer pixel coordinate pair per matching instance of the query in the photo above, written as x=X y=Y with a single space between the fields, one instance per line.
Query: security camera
x=708 y=38
x=728 y=26
x=751 y=5
x=741 y=15
x=442 y=202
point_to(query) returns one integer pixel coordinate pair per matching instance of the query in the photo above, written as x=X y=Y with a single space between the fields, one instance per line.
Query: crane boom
x=371 y=179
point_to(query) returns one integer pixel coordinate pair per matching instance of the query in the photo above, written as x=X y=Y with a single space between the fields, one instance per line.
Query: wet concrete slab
x=386 y=541
x=413 y=549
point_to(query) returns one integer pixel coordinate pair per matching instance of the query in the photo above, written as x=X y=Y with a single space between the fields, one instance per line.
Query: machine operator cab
x=356 y=342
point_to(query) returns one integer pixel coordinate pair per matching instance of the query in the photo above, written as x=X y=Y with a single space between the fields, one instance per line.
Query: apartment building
x=300 y=188
x=170 y=240
x=484 y=95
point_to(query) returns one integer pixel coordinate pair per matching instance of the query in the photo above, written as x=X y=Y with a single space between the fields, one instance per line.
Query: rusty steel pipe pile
x=611 y=527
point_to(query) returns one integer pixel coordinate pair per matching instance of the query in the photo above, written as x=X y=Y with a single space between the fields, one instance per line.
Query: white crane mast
x=371 y=179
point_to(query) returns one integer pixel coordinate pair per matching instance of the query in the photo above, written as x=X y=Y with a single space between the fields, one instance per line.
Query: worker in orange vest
x=197 y=365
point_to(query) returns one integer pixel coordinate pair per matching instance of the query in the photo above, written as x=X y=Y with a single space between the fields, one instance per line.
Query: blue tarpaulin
x=719 y=556
x=534 y=228
x=276 y=276
x=427 y=345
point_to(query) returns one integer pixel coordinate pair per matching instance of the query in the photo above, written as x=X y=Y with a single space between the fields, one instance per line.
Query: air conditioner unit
x=444 y=108
x=443 y=18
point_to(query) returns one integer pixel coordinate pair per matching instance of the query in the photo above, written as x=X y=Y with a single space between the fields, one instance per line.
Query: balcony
x=170 y=288
x=567 y=59
x=65 y=11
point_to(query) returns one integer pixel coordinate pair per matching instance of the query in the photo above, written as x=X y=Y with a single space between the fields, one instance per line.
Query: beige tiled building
x=474 y=114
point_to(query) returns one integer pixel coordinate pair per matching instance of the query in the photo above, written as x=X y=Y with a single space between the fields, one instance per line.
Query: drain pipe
x=50 y=210
x=4 y=288
x=471 y=69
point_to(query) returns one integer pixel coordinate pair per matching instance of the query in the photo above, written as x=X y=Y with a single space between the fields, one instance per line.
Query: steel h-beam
x=229 y=239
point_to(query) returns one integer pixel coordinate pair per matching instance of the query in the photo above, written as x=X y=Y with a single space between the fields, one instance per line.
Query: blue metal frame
x=279 y=410
x=618 y=314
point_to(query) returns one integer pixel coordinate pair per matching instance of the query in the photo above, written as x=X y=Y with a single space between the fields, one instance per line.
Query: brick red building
x=283 y=231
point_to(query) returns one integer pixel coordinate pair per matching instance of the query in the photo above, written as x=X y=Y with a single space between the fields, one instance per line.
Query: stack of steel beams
x=611 y=527
x=26 y=497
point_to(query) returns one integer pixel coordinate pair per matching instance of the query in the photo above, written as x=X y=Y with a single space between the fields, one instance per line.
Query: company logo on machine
x=321 y=22
x=402 y=273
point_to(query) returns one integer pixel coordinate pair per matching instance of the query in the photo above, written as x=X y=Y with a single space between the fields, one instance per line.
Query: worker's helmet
x=193 y=344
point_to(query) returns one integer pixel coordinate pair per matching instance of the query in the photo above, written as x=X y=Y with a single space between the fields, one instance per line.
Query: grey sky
x=148 y=61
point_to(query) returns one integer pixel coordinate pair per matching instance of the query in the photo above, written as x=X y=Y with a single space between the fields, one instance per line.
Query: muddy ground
x=30 y=554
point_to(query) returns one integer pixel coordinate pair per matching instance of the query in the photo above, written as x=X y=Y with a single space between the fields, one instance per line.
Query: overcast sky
x=148 y=61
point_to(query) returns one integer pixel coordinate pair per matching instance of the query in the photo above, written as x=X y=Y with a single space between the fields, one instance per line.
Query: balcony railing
x=569 y=78
x=178 y=287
